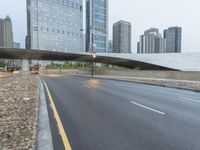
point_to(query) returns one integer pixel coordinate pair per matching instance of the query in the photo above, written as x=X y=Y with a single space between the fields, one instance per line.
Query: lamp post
x=93 y=51
x=60 y=68
x=93 y=57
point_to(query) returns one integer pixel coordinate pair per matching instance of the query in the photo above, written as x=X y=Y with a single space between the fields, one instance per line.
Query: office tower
x=6 y=33
x=173 y=39
x=55 y=25
x=96 y=25
x=151 y=42
x=122 y=37
x=17 y=62
x=110 y=46
x=138 y=47
x=16 y=45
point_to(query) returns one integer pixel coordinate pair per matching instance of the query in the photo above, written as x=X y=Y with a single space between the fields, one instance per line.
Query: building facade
x=151 y=42
x=6 y=33
x=17 y=62
x=110 y=46
x=122 y=37
x=55 y=25
x=16 y=45
x=97 y=26
x=173 y=38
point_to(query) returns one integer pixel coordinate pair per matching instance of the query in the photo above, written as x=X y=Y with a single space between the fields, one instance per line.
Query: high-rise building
x=6 y=33
x=97 y=25
x=138 y=47
x=110 y=46
x=55 y=25
x=151 y=42
x=173 y=39
x=17 y=62
x=122 y=37
x=16 y=45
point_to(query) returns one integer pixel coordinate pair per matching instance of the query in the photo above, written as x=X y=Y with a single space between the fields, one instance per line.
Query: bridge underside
x=8 y=53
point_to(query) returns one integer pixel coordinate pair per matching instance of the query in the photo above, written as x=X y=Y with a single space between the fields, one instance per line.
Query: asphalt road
x=115 y=115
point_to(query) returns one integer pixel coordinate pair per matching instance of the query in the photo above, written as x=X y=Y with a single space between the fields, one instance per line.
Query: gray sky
x=142 y=13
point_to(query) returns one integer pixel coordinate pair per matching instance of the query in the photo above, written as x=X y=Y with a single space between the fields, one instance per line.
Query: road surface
x=102 y=114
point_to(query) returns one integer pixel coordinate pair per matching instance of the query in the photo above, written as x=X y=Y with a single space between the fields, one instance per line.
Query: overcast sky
x=143 y=14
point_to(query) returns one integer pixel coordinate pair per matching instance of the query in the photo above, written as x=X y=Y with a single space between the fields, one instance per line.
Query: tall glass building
x=97 y=25
x=173 y=37
x=55 y=25
x=151 y=42
x=6 y=33
x=122 y=37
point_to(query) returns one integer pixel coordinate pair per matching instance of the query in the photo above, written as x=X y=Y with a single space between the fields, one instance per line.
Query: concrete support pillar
x=6 y=65
x=6 y=68
x=25 y=67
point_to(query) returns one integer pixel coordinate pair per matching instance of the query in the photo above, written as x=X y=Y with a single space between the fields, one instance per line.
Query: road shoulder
x=44 y=130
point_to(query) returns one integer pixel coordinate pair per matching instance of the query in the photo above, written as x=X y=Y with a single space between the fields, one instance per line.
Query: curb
x=44 y=131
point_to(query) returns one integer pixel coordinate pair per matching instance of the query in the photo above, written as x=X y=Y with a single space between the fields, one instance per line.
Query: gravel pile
x=18 y=112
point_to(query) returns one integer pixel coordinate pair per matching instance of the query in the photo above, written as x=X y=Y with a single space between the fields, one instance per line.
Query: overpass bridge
x=172 y=61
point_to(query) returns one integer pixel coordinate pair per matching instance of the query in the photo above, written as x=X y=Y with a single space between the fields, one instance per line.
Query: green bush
x=2 y=63
x=85 y=66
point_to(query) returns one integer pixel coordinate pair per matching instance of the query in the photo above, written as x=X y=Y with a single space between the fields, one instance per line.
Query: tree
x=2 y=63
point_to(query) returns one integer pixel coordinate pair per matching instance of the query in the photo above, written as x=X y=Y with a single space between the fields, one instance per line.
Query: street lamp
x=93 y=57
x=93 y=51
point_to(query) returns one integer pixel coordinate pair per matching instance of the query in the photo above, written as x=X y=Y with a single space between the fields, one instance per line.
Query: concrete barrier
x=178 y=79
x=178 y=75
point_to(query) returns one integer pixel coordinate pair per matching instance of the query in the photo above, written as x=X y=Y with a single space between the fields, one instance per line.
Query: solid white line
x=162 y=113
x=189 y=99
x=87 y=86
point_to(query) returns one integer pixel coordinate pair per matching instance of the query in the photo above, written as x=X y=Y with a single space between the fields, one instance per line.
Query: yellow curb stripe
x=59 y=123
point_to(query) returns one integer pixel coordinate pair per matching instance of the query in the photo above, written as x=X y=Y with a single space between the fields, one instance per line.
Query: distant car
x=35 y=72
x=2 y=69
x=16 y=72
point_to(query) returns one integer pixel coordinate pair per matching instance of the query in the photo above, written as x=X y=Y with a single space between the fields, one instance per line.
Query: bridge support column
x=6 y=68
x=25 y=67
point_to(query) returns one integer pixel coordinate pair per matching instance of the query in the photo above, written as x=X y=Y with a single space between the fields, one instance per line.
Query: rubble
x=18 y=112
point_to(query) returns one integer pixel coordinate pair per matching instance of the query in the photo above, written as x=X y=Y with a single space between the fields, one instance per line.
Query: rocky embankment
x=18 y=112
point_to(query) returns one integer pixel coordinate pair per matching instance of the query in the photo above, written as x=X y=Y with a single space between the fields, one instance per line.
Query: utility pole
x=92 y=56
x=60 y=68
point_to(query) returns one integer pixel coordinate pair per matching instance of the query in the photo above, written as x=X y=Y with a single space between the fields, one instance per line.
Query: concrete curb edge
x=44 y=135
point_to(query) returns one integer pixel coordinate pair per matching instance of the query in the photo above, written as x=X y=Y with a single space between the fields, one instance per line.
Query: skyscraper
x=151 y=42
x=17 y=62
x=55 y=25
x=6 y=33
x=110 y=46
x=16 y=45
x=97 y=25
x=122 y=37
x=173 y=39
